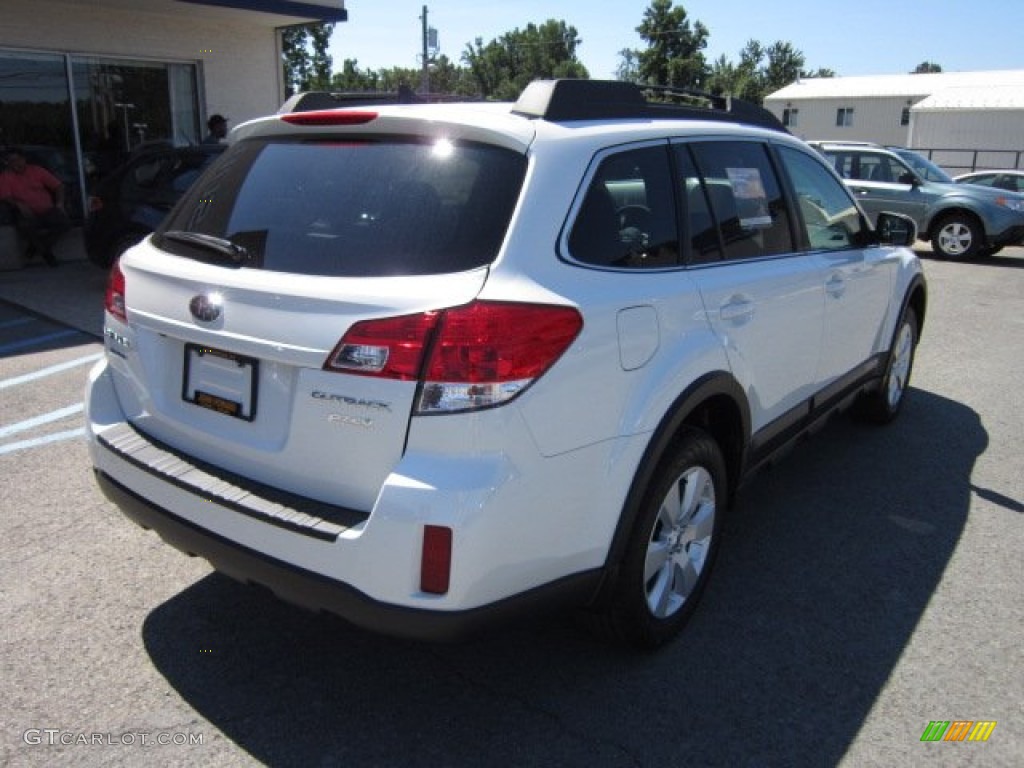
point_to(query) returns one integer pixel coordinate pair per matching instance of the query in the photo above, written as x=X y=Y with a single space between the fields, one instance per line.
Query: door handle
x=737 y=308
x=835 y=286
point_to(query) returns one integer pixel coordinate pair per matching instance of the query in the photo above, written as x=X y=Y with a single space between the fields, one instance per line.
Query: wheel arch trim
x=717 y=384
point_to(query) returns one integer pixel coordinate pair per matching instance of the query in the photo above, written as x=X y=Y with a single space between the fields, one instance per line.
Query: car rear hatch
x=237 y=308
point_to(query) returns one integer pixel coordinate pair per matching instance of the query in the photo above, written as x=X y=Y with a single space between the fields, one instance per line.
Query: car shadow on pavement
x=829 y=562
x=1007 y=259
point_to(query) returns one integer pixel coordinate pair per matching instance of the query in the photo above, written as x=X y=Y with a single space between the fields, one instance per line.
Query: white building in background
x=964 y=120
x=82 y=81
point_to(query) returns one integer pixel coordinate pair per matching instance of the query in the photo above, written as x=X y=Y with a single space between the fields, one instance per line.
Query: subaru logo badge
x=206 y=307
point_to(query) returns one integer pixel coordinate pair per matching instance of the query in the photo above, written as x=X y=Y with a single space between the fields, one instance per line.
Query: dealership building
x=84 y=81
x=963 y=120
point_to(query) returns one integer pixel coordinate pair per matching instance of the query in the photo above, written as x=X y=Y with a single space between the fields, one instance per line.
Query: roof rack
x=564 y=100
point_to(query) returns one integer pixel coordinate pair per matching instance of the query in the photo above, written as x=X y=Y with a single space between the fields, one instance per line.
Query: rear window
x=353 y=207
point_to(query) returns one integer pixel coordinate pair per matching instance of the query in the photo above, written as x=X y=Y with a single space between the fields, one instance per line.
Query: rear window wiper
x=236 y=253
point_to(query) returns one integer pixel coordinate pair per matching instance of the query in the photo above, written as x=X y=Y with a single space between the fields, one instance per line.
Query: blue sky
x=862 y=37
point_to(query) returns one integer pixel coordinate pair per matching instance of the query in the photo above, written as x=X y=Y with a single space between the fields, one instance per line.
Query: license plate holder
x=220 y=381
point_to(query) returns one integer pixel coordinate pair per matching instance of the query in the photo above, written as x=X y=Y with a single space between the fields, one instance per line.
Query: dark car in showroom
x=133 y=199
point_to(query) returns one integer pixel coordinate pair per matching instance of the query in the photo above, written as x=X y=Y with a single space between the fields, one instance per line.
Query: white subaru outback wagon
x=425 y=365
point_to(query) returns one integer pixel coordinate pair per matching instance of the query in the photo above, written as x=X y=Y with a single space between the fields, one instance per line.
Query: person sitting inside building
x=36 y=197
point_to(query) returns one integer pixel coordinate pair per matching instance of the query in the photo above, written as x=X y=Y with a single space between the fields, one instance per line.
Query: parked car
x=961 y=221
x=1010 y=180
x=131 y=202
x=427 y=365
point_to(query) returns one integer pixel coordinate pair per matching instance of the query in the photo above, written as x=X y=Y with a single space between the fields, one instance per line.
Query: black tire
x=957 y=236
x=882 y=405
x=666 y=564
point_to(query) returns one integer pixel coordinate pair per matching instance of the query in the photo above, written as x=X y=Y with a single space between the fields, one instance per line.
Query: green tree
x=784 y=65
x=351 y=78
x=926 y=67
x=629 y=66
x=760 y=71
x=449 y=78
x=392 y=79
x=307 y=65
x=504 y=66
x=674 y=49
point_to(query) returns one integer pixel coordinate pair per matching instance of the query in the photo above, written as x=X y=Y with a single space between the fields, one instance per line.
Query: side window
x=1012 y=183
x=842 y=163
x=627 y=218
x=870 y=168
x=888 y=169
x=738 y=185
x=185 y=171
x=986 y=181
x=146 y=172
x=829 y=217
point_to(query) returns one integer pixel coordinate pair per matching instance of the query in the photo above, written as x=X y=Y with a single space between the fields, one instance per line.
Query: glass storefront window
x=125 y=105
x=121 y=106
x=35 y=116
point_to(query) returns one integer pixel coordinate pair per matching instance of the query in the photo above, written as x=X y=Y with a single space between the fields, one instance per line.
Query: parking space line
x=36 y=341
x=45 y=418
x=49 y=371
x=37 y=441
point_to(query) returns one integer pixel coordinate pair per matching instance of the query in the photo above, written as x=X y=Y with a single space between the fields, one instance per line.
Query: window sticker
x=751 y=198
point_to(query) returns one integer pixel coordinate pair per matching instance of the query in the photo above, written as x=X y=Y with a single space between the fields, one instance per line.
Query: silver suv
x=427 y=365
x=961 y=221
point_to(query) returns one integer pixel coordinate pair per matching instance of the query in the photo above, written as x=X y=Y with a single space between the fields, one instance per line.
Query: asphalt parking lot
x=868 y=585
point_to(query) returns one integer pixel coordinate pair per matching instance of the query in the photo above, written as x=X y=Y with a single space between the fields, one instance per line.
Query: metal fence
x=957 y=161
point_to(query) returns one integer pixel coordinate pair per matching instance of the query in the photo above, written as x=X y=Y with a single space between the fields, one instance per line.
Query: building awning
x=311 y=11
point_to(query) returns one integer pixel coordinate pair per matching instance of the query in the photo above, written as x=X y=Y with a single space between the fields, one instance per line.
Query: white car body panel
x=533 y=489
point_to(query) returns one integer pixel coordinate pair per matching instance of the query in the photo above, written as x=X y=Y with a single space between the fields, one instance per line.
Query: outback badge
x=206 y=307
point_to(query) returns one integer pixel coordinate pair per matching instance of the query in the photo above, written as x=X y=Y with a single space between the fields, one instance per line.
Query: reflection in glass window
x=119 y=104
x=36 y=117
x=737 y=184
x=355 y=208
x=829 y=218
x=627 y=218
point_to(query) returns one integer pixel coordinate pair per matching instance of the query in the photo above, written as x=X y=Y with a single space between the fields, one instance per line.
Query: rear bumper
x=316 y=592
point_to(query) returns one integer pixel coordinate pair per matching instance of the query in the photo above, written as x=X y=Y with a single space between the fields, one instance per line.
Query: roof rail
x=565 y=99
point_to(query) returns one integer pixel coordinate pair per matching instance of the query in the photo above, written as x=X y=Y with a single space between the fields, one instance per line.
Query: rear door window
x=355 y=207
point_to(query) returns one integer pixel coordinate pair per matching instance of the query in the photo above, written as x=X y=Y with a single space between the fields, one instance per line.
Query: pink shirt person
x=30 y=186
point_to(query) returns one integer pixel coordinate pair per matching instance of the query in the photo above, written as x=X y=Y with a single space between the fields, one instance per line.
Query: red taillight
x=391 y=348
x=486 y=342
x=330 y=117
x=114 y=299
x=477 y=355
x=436 y=565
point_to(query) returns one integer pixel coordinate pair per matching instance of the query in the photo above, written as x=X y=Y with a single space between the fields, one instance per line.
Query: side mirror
x=909 y=178
x=895 y=229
